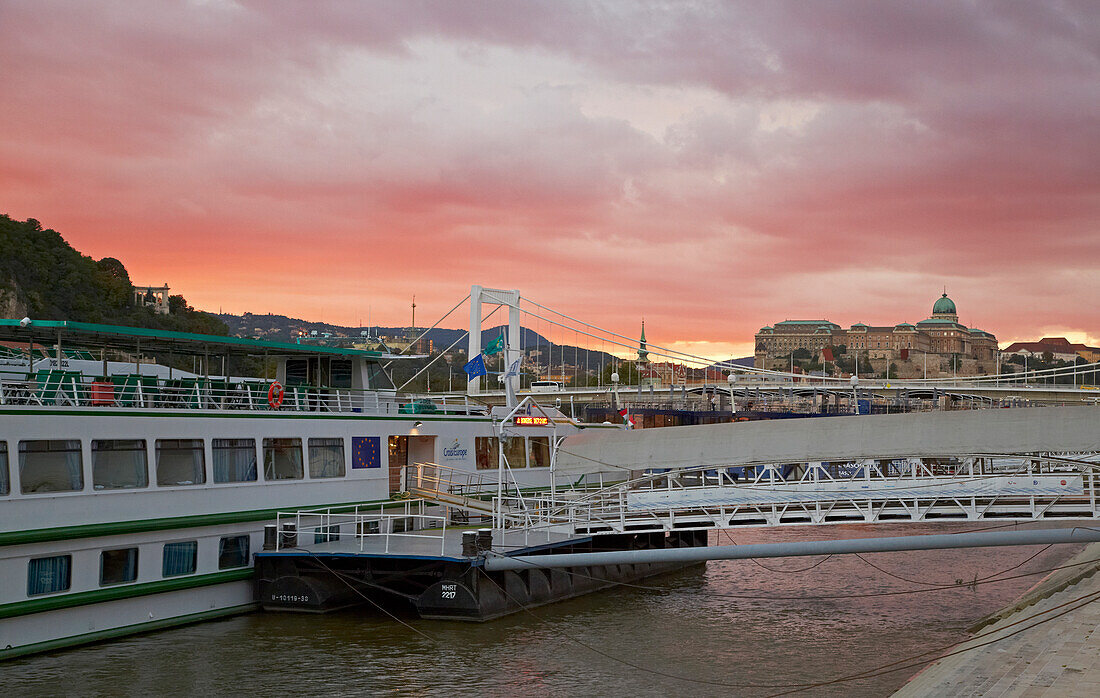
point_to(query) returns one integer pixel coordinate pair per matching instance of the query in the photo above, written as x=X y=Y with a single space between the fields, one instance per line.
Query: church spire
x=643 y=355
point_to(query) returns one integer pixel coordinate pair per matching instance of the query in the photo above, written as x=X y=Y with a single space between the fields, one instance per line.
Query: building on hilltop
x=1060 y=349
x=936 y=345
x=155 y=297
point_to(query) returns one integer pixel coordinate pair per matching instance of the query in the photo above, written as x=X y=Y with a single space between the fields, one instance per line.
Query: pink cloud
x=322 y=157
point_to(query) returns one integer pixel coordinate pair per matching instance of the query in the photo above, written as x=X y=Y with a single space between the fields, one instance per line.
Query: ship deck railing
x=60 y=388
x=408 y=525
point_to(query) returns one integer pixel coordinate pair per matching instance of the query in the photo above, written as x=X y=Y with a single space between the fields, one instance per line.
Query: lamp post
x=732 y=379
x=855 y=393
x=615 y=390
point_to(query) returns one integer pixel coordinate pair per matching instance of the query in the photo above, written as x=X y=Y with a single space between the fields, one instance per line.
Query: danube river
x=729 y=628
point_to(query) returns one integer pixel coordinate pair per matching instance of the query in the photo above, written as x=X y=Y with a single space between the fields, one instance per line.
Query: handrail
x=610 y=508
x=58 y=387
x=321 y=521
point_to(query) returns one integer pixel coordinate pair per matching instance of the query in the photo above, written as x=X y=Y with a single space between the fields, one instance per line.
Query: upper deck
x=73 y=364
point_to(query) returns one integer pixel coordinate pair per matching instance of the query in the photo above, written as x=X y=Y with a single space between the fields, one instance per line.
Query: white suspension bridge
x=1005 y=465
x=1062 y=385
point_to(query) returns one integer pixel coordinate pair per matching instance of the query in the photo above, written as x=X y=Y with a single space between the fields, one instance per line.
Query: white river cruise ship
x=134 y=495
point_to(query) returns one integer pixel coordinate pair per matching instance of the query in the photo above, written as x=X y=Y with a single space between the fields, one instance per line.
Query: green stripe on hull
x=42 y=535
x=126 y=591
x=101 y=635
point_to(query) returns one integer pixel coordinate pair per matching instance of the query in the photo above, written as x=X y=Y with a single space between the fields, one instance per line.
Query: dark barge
x=430 y=572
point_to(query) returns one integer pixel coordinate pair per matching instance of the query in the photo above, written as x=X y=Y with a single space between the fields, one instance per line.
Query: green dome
x=944 y=306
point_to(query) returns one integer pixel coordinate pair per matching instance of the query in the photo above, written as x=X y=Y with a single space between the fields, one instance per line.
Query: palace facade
x=928 y=341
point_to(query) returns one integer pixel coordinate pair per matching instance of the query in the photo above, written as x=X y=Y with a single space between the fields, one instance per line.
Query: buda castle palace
x=934 y=347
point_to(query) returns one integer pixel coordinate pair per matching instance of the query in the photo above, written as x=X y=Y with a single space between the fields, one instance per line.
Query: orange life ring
x=275 y=395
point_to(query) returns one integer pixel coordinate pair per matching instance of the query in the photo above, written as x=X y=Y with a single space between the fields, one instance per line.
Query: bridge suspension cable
x=604 y=337
x=661 y=351
x=686 y=357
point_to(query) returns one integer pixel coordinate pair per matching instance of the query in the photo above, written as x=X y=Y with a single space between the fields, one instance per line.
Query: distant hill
x=283 y=328
x=538 y=349
x=287 y=329
x=44 y=278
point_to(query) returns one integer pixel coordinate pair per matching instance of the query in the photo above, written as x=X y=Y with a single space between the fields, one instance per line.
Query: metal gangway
x=470 y=492
x=967 y=488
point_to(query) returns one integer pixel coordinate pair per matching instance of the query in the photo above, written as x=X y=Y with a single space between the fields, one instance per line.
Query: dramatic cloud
x=712 y=166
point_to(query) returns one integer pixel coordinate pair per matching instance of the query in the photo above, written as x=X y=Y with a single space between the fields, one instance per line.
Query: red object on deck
x=103 y=393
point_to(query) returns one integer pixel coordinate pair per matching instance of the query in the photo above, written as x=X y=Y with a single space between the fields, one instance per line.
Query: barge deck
x=440 y=572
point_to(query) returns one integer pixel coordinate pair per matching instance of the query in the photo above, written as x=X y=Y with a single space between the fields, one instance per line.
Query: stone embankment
x=1032 y=647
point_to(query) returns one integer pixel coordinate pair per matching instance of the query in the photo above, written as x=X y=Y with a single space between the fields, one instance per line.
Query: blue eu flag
x=366 y=452
x=475 y=367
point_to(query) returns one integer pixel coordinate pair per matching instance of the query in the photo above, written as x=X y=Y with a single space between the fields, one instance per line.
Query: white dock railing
x=362 y=524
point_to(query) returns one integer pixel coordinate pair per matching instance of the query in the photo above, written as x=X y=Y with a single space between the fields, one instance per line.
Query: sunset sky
x=713 y=167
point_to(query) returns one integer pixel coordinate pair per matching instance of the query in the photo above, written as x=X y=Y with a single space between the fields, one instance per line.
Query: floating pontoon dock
x=318 y=561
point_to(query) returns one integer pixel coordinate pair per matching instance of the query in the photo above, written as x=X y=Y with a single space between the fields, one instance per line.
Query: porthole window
x=49 y=575
x=232 y=552
x=118 y=566
x=180 y=558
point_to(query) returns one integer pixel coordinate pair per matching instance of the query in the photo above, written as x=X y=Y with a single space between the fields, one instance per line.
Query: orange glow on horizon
x=328 y=164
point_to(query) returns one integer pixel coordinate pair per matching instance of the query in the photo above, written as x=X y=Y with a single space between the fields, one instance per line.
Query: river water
x=696 y=635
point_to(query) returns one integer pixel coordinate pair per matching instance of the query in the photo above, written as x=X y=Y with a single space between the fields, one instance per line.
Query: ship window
x=119 y=464
x=488 y=454
x=47 y=575
x=4 y=467
x=180 y=462
x=50 y=466
x=118 y=566
x=233 y=552
x=538 y=451
x=326 y=458
x=180 y=558
x=297 y=371
x=340 y=373
x=234 y=460
x=282 y=459
x=515 y=452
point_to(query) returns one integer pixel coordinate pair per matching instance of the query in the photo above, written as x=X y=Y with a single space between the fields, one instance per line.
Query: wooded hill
x=44 y=278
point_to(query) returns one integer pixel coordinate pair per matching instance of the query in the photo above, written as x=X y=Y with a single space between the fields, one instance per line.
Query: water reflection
x=700 y=624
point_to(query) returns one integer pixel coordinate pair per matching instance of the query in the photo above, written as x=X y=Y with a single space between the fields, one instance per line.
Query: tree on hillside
x=55 y=282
